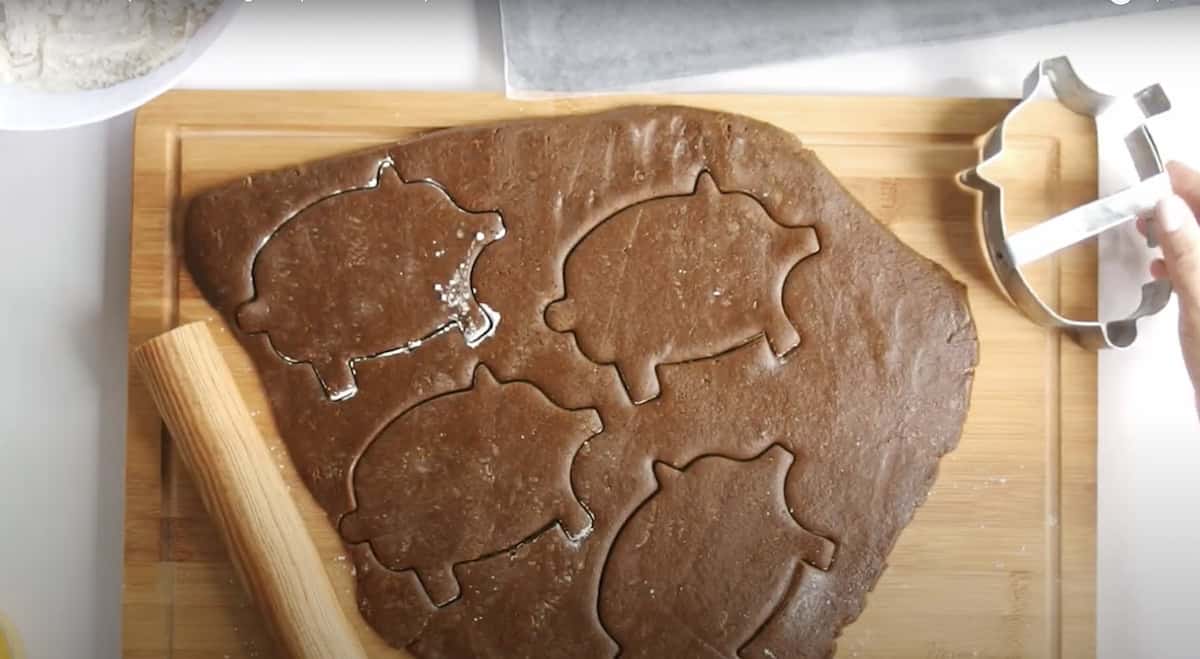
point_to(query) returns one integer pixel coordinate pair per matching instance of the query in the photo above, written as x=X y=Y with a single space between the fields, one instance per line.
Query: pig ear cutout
x=387 y=176
x=484 y=379
x=665 y=473
x=560 y=315
x=252 y=316
x=706 y=185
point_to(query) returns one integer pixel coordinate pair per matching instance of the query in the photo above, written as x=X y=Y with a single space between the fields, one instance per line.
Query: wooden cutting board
x=1000 y=562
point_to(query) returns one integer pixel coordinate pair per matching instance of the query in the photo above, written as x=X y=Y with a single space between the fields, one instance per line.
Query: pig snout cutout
x=662 y=568
x=466 y=475
x=369 y=273
x=696 y=274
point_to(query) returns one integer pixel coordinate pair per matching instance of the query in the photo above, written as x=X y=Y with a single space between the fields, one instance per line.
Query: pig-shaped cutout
x=465 y=475
x=718 y=582
x=369 y=273
x=696 y=275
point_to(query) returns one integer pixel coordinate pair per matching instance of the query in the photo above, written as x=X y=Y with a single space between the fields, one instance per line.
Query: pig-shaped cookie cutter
x=370 y=273
x=661 y=567
x=690 y=276
x=466 y=475
x=1008 y=253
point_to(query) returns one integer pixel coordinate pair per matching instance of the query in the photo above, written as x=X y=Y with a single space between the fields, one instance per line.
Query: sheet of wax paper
x=581 y=46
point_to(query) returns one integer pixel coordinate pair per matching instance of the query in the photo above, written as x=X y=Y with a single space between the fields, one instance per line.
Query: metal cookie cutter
x=1007 y=253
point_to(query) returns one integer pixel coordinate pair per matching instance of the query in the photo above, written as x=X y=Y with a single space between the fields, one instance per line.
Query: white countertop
x=64 y=229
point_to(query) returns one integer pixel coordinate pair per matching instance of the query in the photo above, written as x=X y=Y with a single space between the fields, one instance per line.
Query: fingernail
x=1173 y=212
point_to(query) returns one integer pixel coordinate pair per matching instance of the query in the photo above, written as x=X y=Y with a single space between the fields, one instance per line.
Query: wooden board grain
x=1000 y=562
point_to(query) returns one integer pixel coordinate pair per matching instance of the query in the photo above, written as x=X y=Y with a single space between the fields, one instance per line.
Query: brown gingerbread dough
x=723 y=305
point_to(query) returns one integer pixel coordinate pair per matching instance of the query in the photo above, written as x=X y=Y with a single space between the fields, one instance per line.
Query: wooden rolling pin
x=245 y=494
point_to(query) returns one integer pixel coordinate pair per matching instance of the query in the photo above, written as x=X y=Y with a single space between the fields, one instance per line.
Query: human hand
x=1177 y=232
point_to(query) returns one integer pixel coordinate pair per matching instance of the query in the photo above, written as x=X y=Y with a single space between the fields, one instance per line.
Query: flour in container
x=66 y=45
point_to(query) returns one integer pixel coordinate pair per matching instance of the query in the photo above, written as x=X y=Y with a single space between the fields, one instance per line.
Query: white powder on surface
x=65 y=45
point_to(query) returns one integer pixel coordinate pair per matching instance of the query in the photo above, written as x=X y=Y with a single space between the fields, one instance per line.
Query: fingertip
x=1172 y=214
x=1180 y=168
x=1143 y=226
x=1186 y=182
x=1158 y=269
x=1180 y=172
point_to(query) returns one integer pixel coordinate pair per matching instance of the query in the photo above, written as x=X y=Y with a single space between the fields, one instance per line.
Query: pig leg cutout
x=476 y=324
x=337 y=378
x=560 y=315
x=813 y=549
x=252 y=317
x=438 y=580
x=574 y=518
x=640 y=379
x=440 y=583
x=780 y=332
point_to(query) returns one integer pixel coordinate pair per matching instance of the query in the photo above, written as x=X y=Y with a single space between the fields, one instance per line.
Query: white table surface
x=64 y=229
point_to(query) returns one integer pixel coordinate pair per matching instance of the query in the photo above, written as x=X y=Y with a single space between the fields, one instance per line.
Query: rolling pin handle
x=245 y=493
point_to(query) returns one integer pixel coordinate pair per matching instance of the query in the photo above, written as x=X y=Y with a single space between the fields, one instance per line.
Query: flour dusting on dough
x=459 y=298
